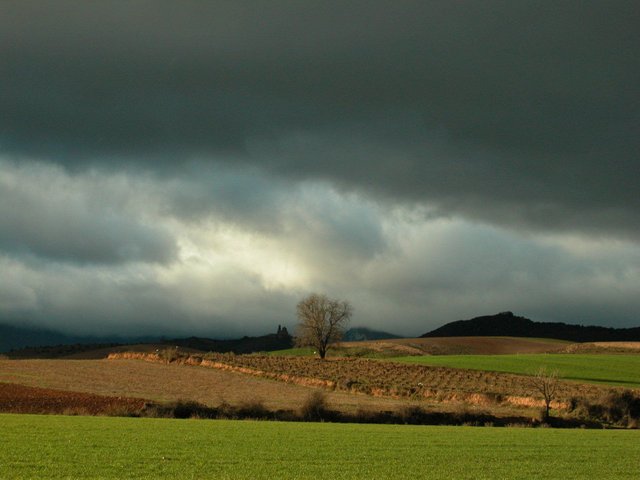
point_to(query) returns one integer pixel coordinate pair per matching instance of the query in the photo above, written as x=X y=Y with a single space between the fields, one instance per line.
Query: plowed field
x=170 y=382
x=22 y=399
x=374 y=377
x=389 y=379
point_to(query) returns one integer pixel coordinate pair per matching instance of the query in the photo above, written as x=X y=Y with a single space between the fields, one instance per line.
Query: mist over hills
x=509 y=325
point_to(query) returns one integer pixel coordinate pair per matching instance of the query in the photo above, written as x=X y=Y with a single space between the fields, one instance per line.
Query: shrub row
x=620 y=408
x=315 y=409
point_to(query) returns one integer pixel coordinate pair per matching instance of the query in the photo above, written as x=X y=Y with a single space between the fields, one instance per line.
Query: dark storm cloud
x=520 y=113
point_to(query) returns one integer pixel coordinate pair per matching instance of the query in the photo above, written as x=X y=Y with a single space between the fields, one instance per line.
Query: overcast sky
x=196 y=168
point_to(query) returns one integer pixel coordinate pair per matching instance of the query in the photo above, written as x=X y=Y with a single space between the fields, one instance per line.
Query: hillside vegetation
x=506 y=323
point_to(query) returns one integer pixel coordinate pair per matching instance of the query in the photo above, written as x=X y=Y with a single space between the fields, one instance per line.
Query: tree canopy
x=322 y=322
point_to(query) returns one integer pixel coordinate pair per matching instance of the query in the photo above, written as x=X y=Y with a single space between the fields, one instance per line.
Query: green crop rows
x=621 y=370
x=101 y=447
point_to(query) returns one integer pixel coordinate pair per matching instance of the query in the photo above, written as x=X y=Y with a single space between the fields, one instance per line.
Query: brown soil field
x=170 y=382
x=461 y=345
x=381 y=378
x=22 y=399
x=437 y=385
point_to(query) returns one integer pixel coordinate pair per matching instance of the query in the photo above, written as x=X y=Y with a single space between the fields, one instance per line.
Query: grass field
x=621 y=370
x=98 y=447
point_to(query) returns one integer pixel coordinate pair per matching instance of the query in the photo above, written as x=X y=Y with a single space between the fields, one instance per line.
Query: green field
x=102 y=447
x=593 y=368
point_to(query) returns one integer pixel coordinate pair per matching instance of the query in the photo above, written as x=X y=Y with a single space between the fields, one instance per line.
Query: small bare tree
x=322 y=322
x=546 y=382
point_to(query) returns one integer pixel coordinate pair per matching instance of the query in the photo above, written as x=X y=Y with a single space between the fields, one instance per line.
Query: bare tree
x=546 y=382
x=322 y=322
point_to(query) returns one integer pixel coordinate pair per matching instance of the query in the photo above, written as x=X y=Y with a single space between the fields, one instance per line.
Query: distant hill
x=13 y=337
x=510 y=325
x=28 y=342
x=361 y=334
x=280 y=340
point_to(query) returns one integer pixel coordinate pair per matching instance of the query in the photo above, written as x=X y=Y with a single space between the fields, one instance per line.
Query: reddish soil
x=22 y=399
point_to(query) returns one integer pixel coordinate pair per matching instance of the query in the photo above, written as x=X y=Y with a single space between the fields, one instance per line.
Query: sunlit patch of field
x=98 y=447
x=171 y=382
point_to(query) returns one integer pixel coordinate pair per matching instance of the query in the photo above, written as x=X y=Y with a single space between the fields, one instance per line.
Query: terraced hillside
x=388 y=379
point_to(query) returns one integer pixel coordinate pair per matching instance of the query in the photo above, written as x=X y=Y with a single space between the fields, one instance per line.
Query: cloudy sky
x=198 y=167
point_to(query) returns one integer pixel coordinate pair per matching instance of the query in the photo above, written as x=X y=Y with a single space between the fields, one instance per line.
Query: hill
x=359 y=334
x=33 y=343
x=13 y=337
x=265 y=343
x=508 y=324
